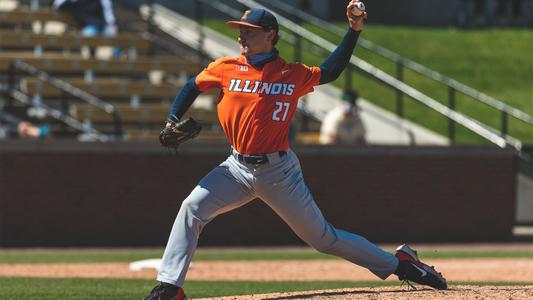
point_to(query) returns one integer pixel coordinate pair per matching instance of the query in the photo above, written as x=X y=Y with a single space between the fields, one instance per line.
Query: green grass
x=90 y=256
x=467 y=254
x=72 y=256
x=496 y=61
x=12 y=288
x=115 y=289
x=75 y=255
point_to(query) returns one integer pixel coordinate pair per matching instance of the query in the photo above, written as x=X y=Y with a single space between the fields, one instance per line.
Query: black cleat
x=166 y=291
x=410 y=268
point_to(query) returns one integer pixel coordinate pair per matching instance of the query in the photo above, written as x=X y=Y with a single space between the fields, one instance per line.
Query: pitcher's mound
x=455 y=292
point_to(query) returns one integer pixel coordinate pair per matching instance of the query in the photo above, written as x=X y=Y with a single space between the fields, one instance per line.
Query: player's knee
x=196 y=209
x=190 y=206
x=325 y=248
x=325 y=243
x=188 y=217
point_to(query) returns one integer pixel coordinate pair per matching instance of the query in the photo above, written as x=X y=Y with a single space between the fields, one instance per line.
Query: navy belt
x=255 y=159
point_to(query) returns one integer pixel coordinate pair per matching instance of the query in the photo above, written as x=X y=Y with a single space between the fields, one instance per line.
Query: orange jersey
x=256 y=105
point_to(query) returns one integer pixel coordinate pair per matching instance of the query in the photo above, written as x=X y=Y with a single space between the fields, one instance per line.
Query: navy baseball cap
x=256 y=18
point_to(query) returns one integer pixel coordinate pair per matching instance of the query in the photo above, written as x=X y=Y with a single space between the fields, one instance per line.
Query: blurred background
x=436 y=103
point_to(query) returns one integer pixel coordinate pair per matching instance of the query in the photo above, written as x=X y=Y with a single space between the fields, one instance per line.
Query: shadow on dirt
x=318 y=294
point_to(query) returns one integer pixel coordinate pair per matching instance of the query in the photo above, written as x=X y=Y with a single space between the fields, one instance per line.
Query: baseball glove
x=176 y=133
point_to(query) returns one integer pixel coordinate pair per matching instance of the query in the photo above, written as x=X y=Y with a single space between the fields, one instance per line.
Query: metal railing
x=236 y=14
x=67 y=89
x=317 y=42
x=403 y=62
x=60 y=116
x=483 y=130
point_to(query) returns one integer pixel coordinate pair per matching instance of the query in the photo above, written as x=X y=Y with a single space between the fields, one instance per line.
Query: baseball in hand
x=358 y=9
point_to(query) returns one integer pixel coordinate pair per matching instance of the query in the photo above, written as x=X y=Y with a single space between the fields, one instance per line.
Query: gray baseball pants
x=280 y=184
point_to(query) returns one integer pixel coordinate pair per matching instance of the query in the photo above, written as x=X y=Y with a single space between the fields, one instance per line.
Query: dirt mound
x=401 y=293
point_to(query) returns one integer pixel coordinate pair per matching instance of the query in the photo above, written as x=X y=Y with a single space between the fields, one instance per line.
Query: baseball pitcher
x=258 y=98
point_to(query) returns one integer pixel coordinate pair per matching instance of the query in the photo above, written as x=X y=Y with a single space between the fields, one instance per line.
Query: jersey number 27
x=280 y=113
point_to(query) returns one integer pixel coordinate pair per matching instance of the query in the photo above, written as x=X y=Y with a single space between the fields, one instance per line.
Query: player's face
x=255 y=40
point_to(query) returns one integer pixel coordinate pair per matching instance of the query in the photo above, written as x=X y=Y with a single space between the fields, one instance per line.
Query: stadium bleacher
x=140 y=83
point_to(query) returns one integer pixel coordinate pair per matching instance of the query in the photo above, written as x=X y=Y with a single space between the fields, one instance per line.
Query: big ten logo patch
x=242 y=68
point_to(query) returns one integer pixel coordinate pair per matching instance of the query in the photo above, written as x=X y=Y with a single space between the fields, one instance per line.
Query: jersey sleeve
x=310 y=77
x=210 y=77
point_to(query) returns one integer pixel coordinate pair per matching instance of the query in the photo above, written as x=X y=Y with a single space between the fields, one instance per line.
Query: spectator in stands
x=493 y=12
x=343 y=125
x=471 y=13
x=509 y=12
x=480 y=12
x=13 y=127
x=94 y=16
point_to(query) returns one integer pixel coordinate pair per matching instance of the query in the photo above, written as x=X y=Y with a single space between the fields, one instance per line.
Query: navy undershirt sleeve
x=335 y=63
x=184 y=99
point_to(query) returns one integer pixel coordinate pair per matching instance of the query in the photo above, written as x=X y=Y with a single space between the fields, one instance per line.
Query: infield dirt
x=473 y=270
x=399 y=293
x=484 y=270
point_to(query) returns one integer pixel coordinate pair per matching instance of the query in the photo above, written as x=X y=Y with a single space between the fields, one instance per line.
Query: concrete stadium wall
x=127 y=194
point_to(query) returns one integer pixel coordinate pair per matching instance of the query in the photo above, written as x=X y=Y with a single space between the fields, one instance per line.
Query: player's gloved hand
x=177 y=132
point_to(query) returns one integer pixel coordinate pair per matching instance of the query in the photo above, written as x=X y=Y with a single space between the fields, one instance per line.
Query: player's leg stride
x=166 y=291
x=260 y=94
x=410 y=268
